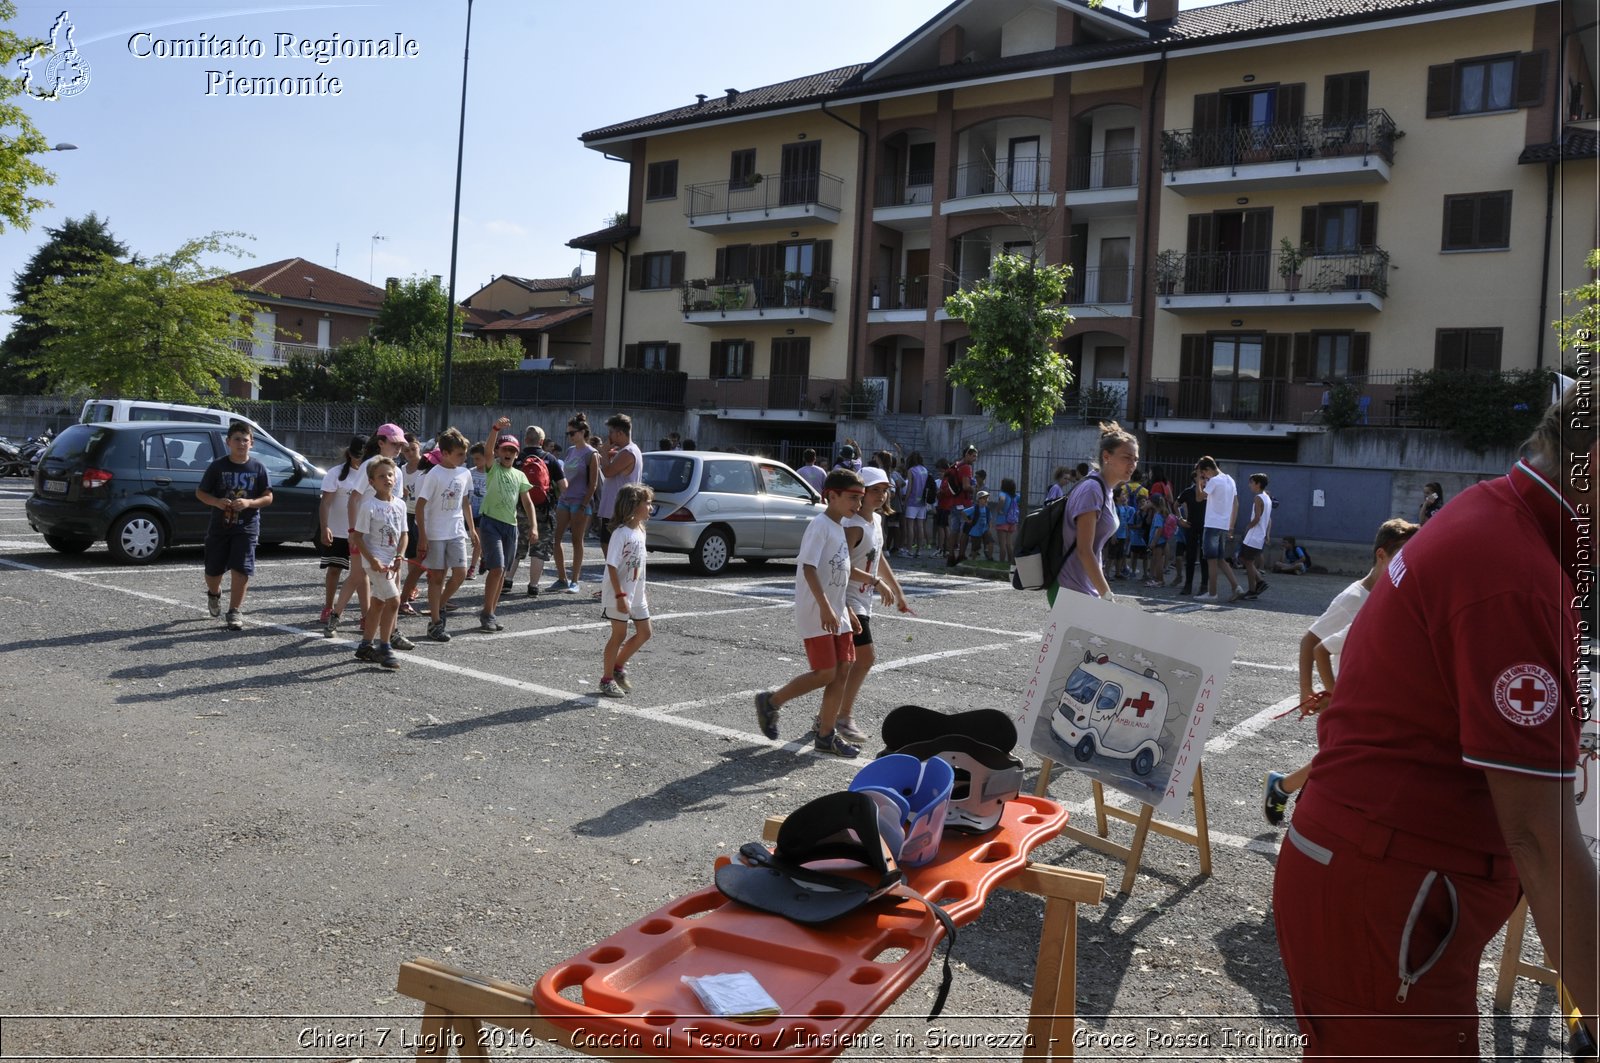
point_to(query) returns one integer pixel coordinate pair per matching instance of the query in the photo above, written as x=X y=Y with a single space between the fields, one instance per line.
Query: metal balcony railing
x=900 y=190
x=899 y=293
x=782 y=392
x=1388 y=399
x=1017 y=177
x=1314 y=136
x=1092 y=286
x=762 y=292
x=1106 y=169
x=1231 y=272
x=763 y=192
x=276 y=353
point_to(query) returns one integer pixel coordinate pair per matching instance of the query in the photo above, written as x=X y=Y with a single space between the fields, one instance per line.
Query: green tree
x=18 y=170
x=1013 y=367
x=71 y=250
x=163 y=329
x=413 y=314
x=1580 y=329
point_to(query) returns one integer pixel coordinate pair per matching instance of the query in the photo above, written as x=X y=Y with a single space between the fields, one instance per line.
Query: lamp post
x=455 y=235
x=63 y=146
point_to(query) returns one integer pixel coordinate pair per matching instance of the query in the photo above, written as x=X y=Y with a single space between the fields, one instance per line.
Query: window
x=1467 y=348
x=661 y=180
x=919 y=164
x=1486 y=84
x=1339 y=228
x=655 y=270
x=654 y=354
x=1476 y=222
x=1344 y=99
x=179 y=450
x=280 y=466
x=1330 y=353
x=742 y=168
x=658 y=270
x=729 y=476
x=785 y=484
x=730 y=359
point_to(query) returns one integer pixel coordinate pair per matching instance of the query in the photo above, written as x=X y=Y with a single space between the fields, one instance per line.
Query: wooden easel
x=1143 y=821
x=1513 y=966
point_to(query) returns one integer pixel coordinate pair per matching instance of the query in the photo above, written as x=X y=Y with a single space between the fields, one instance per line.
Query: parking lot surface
x=197 y=822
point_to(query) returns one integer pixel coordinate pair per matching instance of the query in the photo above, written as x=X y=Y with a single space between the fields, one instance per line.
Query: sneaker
x=622 y=679
x=1239 y=595
x=610 y=689
x=533 y=590
x=767 y=714
x=1259 y=588
x=386 y=657
x=235 y=621
x=407 y=609
x=400 y=642
x=574 y=588
x=834 y=743
x=506 y=587
x=850 y=730
x=330 y=624
x=437 y=633
x=1205 y=598
x=487 y=622
x=214 y=603
x=558 y=586
x=364 y=653
x=1274 y=801
x=323 y=619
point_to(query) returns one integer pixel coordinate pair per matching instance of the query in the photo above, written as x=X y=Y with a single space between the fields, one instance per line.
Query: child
x=480 y=483
x=1005 y=529
x=236 y=487
x=869 y=573
x=975 y=519
x=1162 y=525
x=389 y=441
x=379 y=536
x=1118 y=545
x=1257 y=535
x=825 y=624
x=1296 y=562
x=625 y=588
x=507 y=489
x=442 y=530
x=334 y=516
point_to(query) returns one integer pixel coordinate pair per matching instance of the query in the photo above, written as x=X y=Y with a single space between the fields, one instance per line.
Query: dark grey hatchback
x=132 y=485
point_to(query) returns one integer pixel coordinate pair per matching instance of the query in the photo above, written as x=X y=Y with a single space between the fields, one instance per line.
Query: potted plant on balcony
x=1290 y=259
x=1169 y=267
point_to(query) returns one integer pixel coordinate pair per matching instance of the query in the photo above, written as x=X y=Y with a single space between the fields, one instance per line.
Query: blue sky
x=164 y=161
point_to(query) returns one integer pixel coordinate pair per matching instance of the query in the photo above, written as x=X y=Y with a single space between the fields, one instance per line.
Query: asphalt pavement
x=254 y=827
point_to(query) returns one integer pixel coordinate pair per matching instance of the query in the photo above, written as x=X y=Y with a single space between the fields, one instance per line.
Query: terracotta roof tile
x=540 y=321
x=604 y=237
x=550 y=284
x=305 y=281
x=797 y=90
x=1574 y=144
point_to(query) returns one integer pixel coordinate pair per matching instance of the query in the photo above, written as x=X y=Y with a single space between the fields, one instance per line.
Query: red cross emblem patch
x=1526 y=694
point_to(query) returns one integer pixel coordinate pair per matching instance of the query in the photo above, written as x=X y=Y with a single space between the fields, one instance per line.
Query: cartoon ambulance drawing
x=1113 y=710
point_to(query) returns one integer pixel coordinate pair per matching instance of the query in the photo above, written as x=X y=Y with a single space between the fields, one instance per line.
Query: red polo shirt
x=1462 y=661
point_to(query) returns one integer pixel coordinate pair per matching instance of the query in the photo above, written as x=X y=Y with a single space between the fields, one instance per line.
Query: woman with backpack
x=1091 y=517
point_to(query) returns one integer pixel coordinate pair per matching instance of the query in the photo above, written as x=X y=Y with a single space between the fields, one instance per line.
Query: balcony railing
x=1106 y=169
x=767 y=292
x=1018 y=177
x=1230 y=272
x=1100 y=286
x=899 y=190
x=1387 y=399
x=277 y=353
x=1315 y=136
x=764 y=193
x=899 y=293
x=801 y=393
x=619 y=389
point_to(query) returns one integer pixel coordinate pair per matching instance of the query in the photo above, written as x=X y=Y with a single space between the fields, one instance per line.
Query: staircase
x=908 y=430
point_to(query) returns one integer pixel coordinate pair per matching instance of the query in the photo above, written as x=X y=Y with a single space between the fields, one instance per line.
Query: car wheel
x=713 y=552
x=1143 y=763
x=63 y=545
x=1085 y=748
x=137 y=539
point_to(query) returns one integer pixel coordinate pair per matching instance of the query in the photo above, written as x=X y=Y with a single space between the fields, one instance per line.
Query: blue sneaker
x=1274 y=801
x=558 y=586
x=833 y=742
x=767 y=714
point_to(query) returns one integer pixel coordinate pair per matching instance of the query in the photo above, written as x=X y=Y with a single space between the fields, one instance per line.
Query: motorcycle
x=32 y=450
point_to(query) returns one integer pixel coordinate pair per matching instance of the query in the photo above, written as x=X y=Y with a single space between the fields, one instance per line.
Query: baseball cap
x=433 y=456
x=872 y=476
x=392 y=432
x=983 y=494
x=508 y=440
x=970 y=449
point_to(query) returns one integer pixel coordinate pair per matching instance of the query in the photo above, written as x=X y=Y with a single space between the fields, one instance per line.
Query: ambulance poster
x=1124 y=696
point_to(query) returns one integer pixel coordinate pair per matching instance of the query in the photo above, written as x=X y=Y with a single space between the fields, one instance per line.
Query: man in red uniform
x=1444 y=778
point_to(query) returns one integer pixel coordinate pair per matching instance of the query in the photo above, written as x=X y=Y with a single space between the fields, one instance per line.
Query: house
x=304 y=309
x=551 y=317
x=1257 y=198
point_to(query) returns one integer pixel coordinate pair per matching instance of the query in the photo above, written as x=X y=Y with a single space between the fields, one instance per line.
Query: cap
x=983 y=494
x=872 y=476
x=508 y=440
x=392 y=432
x=433 y=456
x=847 y=452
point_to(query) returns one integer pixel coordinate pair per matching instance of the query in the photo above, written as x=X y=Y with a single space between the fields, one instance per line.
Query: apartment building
x=1257 y=198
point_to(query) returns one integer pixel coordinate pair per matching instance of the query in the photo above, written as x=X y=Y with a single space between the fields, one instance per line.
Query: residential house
x=304 y=309
x=551 y=317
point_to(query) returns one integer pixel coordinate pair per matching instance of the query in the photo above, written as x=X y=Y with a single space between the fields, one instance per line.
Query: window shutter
x=1335 y=98
x=1483 y=349
x=1355 y=99
x=1441 y=90
x=1494 y=220
x=1460 y=218
x=1528 y=80
x=1449 y=348
x=630 y=356
x=824 y=258
x=1360 y=344
x=1302 y=356
x=1201 y=233
x=1308 y=227
x=1275 y=356
x=635 y=272
x=672 y=356
x=721 y=269
x=1192 y=357
x=767 y=260
x=1207 y=111
x=678 y=258
x=1369 y=226
x=719 y=361
x=1291 y=103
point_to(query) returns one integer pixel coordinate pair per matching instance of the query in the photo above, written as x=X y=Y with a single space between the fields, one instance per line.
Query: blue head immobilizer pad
x=923 y=788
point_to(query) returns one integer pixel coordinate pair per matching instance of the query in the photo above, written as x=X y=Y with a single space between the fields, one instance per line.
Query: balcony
x=1021 y=184
x=1317 y=150
x=764 y=200
x=616 y=389
x=902 y=202
x=1102 y=185
x=715 y=301
x=774 y=398
x=899 y=299
x=1192 y=282
x=1101 y=293
x=278 y=353
x=1277 y=407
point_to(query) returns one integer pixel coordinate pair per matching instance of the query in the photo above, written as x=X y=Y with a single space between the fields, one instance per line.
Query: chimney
x=733 y=94
x=1161 y=10
x=952 y=45
x=391 y=283
x=699 y=100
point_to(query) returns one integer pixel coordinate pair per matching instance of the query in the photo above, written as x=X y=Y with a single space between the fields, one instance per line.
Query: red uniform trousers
x=1347 y=894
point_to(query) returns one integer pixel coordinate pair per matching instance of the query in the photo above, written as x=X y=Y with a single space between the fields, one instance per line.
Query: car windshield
x=1081 y=686
x=668 y=474
x=79 y=440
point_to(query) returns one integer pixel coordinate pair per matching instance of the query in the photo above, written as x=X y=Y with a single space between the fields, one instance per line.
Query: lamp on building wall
x=1249 y=78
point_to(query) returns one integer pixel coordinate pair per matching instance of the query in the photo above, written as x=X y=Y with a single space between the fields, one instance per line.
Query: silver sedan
x=716 y=507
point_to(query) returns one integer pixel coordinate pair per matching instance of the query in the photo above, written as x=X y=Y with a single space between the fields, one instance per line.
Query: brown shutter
x=1275 y=356
x=1291 y=103
x=1335 y=97
x=1308 y=228
x=1528 y=81
x=718 y=360
x=720 y=271
x=767 y=259
x=630 y=356
x=635 y=272
x=678 y=258
x=1449 y=348
x=824 y=258
x=1302 y=356
x=1355 y=99
x=1192 y=363
x=1202 y=234
x=1207 y=111
x=1369 y=226
x=1360 y=345
x=1460 y=222
x=672 y=356
x=1256 y=234
x=1494 y=220
x=1441 y=90
x=1483 y=349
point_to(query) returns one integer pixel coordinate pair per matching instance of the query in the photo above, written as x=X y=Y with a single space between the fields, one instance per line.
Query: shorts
x=864 y=636
x=941 y=518
x=335 y=554
x=411 y=536
x=1005 y=527
x=1249 y=553
x=381 y=585
x=829 y=651
x=445 y=553
x=916 y=512
x=499 y=541
x=1214 y=545
x=232 y=549
x=635 y=614
x=573 y=507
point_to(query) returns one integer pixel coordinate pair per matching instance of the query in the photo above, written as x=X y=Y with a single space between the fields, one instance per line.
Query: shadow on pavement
x=705 y=791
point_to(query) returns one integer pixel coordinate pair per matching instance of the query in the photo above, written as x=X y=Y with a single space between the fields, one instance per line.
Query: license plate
x=55 y=487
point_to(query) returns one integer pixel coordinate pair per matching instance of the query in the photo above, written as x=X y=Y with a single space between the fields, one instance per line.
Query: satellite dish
x=577 y=271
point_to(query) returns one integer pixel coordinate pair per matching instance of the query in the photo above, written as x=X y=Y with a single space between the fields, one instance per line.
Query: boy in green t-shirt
x=506 y=488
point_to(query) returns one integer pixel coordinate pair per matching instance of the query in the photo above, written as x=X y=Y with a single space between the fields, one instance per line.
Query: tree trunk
x=1027 y=449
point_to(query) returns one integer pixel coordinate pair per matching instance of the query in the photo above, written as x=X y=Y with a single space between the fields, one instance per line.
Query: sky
x=166 y=153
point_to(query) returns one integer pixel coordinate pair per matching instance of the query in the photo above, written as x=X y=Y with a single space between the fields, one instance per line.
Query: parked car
x=132 y=485
x=716 y=507
x=116 y=411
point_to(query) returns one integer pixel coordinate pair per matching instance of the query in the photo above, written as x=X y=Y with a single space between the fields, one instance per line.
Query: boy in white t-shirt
x=825 y=623
x=379 y=536
x=1257 y=534
x=624 y=587
x=1221 y=496
x=442 y=530
x=390 y=441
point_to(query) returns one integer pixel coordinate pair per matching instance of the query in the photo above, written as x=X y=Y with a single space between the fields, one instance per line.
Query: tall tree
x=71 y=250
x=162 y=329
x=18 y=170
x=1579 y=331
x=1014 y=368
x=413 y=314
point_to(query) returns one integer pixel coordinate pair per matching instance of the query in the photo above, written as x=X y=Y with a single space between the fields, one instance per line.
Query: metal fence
x=1314 y=136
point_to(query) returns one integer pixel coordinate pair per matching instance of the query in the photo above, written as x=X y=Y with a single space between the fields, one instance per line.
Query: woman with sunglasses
x=582 y=464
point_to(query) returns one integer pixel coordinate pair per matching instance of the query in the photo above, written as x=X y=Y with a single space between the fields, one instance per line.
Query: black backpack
x=1039 y=552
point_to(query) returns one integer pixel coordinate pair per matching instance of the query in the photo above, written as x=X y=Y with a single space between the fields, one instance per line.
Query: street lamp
x=63 y=146
x=455 y=236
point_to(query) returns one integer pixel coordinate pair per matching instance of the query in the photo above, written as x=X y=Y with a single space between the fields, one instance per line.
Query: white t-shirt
x=381 y=524
x=825 y=548
x=626 y=553
x=1220 y=493
x=1257 y=536
x=339 y=507
x=446 y=491
x=864 y=555
x=1340 y=611
x=363 y=486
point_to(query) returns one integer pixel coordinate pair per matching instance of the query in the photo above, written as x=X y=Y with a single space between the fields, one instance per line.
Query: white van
x=114 y=411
